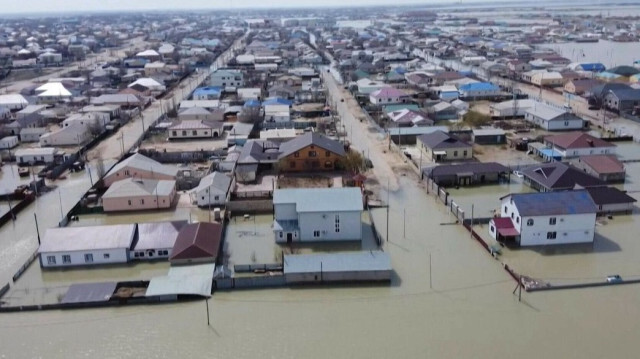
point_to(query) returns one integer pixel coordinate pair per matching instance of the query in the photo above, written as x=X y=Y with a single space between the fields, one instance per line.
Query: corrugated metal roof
x=89 y=293
x=144 y=163
x=69 y=239
x=554 y=203
x=132 y=187
x=154 y=235
x=321 y=199
x=337 y=262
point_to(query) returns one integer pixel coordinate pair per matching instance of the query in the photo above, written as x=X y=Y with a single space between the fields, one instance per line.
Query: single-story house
x=440 y=146
x=553 y=118
x=489 y=136
x=466 y=174
x=557 y=176
x=9 y=142
x=611 y=200
x=74 y=134
x=141 y=167
x=132 y=194
x=32 y=134
x=212 y=190
x=44 y=155
x=605 y=167
x=197 y=243
x=479 y=90
x=195 y=129
x=155 y=240
x=388 y=95
x=575 y=144
x=443 y=111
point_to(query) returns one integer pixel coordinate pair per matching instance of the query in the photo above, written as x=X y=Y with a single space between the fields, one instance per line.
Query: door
x=289 y=238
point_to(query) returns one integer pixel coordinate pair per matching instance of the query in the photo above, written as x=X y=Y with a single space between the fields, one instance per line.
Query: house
x=256 y=153
x=13 y=101
x=467 y=174
x=32 y=134
x=123 y=100
x=148 y=84
x=212 y=190
x=557 y=176
x=605 y=167
x=9 y=142
x=207 y=93
x=580 y=86
x=200 y=114
x=317 y=214
x=197 y=243
x=282 y=91
x=447 y=93
x=552 y=118
x=531 y=219
x=479 y=90
x=622 y=100
x=277 y=113
x=310 y=152
x=547 y=79
x=134 y=194
x=440 y=146
x=74 y=134
x=195 y=129
x=610 y=200
x=155 y=240
x=337 y=267
x=511 y=108
x=30 y=156
x=154 y=68
x=80 y=246
x=443 y=111
x=367 y=86
x=141 y=167
x=576 y=144
x=489 y=136
x=250 y=93
x=52 y=92
x=408 y=118
x=227 y=78
x=278 y=134
x=388 y=95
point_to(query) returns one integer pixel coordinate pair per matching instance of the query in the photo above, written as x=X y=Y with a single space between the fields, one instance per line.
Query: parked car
x=614 y=278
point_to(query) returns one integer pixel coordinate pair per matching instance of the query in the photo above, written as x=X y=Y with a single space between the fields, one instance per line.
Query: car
x=518 y=174
x=614 y=278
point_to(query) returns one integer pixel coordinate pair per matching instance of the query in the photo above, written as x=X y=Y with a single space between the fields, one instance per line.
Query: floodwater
x=466 y=310
x=609 y=53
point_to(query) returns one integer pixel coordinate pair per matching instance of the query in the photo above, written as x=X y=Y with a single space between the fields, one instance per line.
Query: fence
x=277 y=280
x=16 y=209
x=180 y=157
x=26 y=265
x=374 y=229
x=247 y=268
x=4 y=290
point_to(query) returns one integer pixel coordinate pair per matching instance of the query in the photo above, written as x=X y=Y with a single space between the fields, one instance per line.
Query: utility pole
x=60 y=199
x=388 y=210
x=471 y=225
x=35 y=217
x=206 y=300
x=404 y=223
x=430 y=281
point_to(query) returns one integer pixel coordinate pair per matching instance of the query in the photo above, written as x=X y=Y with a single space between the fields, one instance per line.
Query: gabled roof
x=626 y=94
x=574 y=140
x=135 y=187
x=440 y=140
x=553 y=203
x=217 y=180
x=609 y=195
x=475 y=168
x=197 y=241
x=388 y=92
x=603 y=164
x=345 y=199
x=559 y=176
x=144 y=163
x=308 y=139
x=194 y=111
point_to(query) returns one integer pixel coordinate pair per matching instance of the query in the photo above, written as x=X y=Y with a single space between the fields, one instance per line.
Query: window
x=529 y=222
x=296 y=154
x=136 y=255
x=88 y=258
x=493 y=229
x=280 y=235
x=511 y=215
x=194 y=132
x=464 y=153
x=316 y=234
x=328 y=164
x=552 y=221
x=106 y=256
x=129 y=201
x=312 y=154
x=51 y=259
x=566 y=123
x=141 y=201
x=292 y=164
x=327 y=154
x=127 y=173
x=337 y=223
x=517 y=219
x=66 y=259
x=217 y=198
x=551 y=235
x=455 y=153
x=505 y=209
x=175 y=133
x=184 y=133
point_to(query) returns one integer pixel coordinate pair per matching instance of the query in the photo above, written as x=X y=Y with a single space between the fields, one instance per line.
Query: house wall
x=452 y=154
x=285 y=211
x=324 y=222
x=9 y=142
x=577 y=152
x=561 y=125
x=65 y=137
x=129 y=172
x=304 y=161
x=150 y=254
x=136 y=203
x=46 y=158
x=205 y=199
x=30 y=137
x=386 y=100
x=193 y=133
x=224 y=79
x=116 y=255
x=490 y=139
x=615 y=208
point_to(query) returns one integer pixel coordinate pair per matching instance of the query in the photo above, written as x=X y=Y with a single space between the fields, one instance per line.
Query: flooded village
x=267 y=182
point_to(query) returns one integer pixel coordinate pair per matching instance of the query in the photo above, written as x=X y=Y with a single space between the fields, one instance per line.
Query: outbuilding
x=9 y=142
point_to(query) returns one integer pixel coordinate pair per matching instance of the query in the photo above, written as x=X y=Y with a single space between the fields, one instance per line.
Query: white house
x=552 y=118
x=388 y=96
x=317 y=214
x=576 y=144
x=73 y=134
x=195 y=129
x=227 y=78
x=212 y=190
x=546 y=218
x=277 y=113
x=77 y=246
x=367 y=86
x=9 y=142
x=36 y=155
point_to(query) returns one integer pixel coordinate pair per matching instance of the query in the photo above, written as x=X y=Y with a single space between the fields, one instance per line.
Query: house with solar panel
x=317 y=214
x=533 y=219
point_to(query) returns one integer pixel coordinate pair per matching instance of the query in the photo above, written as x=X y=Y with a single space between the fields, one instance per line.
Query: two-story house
x=310 y=152
x=531 y=219
x=317 y=214
x=227 y=78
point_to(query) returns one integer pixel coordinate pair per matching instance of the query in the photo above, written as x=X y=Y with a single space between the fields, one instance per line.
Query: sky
x=14 y=6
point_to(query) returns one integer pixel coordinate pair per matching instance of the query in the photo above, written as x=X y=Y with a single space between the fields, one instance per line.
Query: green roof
x=393 y=108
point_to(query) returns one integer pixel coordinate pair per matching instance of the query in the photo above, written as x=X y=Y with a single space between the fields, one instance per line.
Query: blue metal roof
x=593 y=67
x=252 y=103
x=554 y=203
x=207 y=90
x=479 y=86
x=277 y=101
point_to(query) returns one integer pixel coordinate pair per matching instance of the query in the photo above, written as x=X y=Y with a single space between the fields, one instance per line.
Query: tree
x=352 y=161
x=476 y=119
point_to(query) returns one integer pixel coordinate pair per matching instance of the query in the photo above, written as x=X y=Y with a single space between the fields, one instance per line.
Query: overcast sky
x=15 y=6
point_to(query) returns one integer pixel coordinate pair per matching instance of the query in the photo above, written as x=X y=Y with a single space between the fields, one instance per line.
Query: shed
x=83 y=293
x=9 y=142
x=489 y=136
x=337 y=267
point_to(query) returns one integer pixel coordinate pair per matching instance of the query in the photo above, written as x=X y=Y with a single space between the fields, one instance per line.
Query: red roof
x=197 y=242
x=603 y=163
x=577 y=140
x=505 y=227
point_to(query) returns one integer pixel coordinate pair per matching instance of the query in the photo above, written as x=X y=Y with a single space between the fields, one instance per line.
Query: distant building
x=605 y=167
x=317 y=214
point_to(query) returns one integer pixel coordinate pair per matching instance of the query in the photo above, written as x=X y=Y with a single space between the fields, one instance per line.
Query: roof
x=89 y=293
x=346 y=199
x=609 y=195
x=479 y=86
x=183 y=280
x=558 y=175
x=309 y=139
x=42 y=151
x=146 y=82
x=624 y=70
x=144 y=163
x=255 y=151
x=553 y=203
x=148 y=53
x=626 y=94
x=197 y=241
x=388 y=92
x=337 y=262
x=213 y=90
x=53 y=89
x=545 y=111
x=194 y=111
x=488 y=132
x=136 y=187
x=13 y=99
x=504 y=226
x=71 y=239
x=217 y=180
x=603 y=163
x=440 y=140
x=155 y=235
x=476 y=168
x=415 y=130
x=574 y=140
x=193 y=125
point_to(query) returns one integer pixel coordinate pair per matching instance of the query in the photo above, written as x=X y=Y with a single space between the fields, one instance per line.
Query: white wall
x=189 y=133
x=285 y=211
x=116 y=255
x=35 y=158
x=577 y=152
x=204 y=199
x=350 y=226
x=560 y=125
